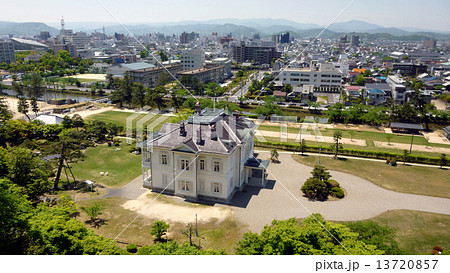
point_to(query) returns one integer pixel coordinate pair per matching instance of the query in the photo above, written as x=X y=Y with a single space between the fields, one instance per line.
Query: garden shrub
x=337 y=192
x=132 y=248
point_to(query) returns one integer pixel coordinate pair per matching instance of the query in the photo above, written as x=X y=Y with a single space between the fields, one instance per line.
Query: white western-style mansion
x=209 y=156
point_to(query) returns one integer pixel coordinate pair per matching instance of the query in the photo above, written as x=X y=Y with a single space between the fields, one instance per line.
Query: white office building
x=322 y=74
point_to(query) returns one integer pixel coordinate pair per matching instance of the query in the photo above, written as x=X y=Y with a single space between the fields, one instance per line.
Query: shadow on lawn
x=97 y=223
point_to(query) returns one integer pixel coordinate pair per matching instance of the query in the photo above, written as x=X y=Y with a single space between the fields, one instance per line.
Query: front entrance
x=255 y=177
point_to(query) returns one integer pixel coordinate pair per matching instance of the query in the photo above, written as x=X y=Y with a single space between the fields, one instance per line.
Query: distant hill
x=353 y=26
x=25 y=29
x=238 y=27
x=390 y=30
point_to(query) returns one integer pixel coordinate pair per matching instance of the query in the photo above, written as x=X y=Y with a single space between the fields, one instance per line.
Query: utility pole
x=410 y=148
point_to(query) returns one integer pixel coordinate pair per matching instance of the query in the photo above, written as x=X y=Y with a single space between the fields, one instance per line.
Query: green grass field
x=215 y=235
x=408 y=179
x=365 y=135
x=417 y=232
x=119 y=117
x=370 y=147
x=122 y=166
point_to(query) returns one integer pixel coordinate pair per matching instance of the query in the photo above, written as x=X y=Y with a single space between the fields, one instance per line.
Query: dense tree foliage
x=307 y=238
x=174 y=248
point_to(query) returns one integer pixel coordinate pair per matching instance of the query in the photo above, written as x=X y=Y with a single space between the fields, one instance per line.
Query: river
x=55 y=95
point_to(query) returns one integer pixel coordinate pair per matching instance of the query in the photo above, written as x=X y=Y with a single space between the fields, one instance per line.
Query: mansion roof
x=211 y=131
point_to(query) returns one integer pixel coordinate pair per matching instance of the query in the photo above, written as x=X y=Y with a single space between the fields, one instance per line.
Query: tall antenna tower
x=104 y=34
x=62 y=23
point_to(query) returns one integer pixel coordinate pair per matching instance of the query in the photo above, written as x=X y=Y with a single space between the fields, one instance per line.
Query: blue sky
x=432 y=14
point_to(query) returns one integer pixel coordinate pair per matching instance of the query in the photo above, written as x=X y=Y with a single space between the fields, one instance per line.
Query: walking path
x=363 y=199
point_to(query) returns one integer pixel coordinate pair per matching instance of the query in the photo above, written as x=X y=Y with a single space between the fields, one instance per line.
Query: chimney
x=198 y=108
x=182 y=129
x=198 y=136
x=213 y=132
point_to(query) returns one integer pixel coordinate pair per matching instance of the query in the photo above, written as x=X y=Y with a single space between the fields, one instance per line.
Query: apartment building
x=322 y=74
x=398 y=89
x=258 y=54
x=206 y=74
x=7 y=52
x=209 y=156
x=81 y=39
x=148 y=76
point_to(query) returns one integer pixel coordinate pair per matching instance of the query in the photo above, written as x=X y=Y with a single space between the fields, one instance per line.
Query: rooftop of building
x=375 y=91
x=199 y=70
x=210 y=131
x=137 y=66
x=28 y=42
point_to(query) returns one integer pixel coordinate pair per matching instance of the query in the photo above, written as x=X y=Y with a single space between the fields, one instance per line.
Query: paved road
x=243 y=91
x=363 y=199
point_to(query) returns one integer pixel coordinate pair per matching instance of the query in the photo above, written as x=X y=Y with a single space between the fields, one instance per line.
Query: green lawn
x=417 y=232
x=122 y=166
x=370 y=147
x=408 y=179
x=215 y=235
x=366 y=135
x=121 y=118
x=116 y=219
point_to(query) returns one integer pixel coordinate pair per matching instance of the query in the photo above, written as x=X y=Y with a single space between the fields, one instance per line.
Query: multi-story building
x=206 y=74
x=424 y=56
x=192 y=59
x=186 y=38
x=430 y=44
x=284 y=38
x=44 y=35
x=149 y=76
x=259 y=54
x=72 y=49
x=322 y=74
x=410 y=69
x=209 y=156
x=398 y=90
x=226 y=62
x=81 y=39
x=354 y=40
x=7 y=54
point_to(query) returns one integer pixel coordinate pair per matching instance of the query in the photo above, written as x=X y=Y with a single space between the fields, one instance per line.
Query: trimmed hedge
x=350 y=152
x=337 y=192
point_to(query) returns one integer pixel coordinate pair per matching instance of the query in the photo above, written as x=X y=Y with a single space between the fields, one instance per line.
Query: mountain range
x=238 y=27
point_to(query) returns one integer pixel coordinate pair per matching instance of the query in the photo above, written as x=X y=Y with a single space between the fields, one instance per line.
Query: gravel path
x=363 y=199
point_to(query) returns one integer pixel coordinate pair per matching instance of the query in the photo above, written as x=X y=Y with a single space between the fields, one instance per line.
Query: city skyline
x=307 y=12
